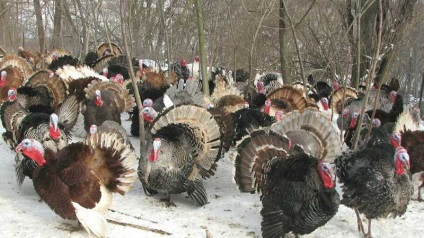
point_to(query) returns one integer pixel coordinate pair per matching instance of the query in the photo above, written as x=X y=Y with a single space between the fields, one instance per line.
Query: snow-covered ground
x=229 y=213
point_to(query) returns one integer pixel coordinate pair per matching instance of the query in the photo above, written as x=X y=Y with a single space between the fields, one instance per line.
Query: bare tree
x=40 y=26
x=202 y=49
x=57 y=24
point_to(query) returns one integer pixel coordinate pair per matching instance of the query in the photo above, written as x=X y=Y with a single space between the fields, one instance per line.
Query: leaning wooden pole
x=132 y=75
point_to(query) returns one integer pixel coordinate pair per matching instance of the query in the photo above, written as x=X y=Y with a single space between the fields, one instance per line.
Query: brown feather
x=291 y=95
x=337 y=98
x=101 y=49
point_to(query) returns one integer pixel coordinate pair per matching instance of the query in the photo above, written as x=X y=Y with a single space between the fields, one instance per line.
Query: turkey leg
x=358 y=219
x=168 y=200
x=368 y=235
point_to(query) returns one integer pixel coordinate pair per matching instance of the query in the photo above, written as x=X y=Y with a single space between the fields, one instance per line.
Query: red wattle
x=54 y=134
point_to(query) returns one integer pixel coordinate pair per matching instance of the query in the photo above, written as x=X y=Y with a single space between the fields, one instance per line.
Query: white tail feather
x=105 y=200
x=406 y=121
x=93 y=221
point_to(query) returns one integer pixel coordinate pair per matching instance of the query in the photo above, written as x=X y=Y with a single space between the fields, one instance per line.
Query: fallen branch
x=145 y=228
x=136 y=217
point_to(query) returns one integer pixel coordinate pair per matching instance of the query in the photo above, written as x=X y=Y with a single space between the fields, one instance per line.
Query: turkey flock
x=62 y=119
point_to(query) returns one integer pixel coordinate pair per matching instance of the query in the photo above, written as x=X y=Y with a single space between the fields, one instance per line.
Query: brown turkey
x=14 y=71
x=77 y=182
x=297 y=187
x=184 y=147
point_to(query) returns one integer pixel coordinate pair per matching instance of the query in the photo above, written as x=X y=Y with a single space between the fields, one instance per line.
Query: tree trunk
x=163 y=24
x=84 y=28
x=284 y=44
x=202 y=49
x=57 y=24
x=132 y=75
x=40 y=27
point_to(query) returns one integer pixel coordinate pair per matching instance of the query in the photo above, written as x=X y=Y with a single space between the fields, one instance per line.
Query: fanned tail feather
x=123 y=98
x=252 y=154
x=204 y=125
x=125 y=156
x=313 y=131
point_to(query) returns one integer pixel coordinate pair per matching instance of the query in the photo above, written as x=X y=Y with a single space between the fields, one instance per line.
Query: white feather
x=167 y=101
x=105 y=200
x=93 y=221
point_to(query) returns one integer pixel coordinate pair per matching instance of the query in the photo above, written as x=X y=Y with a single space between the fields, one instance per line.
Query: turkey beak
x=18 y=148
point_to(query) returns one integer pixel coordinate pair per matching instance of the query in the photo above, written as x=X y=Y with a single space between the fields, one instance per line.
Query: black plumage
x=295 y=199
x=375 y=182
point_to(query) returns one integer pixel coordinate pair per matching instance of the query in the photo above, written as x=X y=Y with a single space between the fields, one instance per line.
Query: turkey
x=77 y=182
x=14 y=71
x=238 y=124
x=108 y=49
x=341 y=97
x=112 y=127
x=375 y=179
x=60 y=61
x=180 y=69
x=42 y=92
x=413 y=141
x=181 y=93
x=381 y=118
x=313 y=131
x=297 y=186
x=292 y=96
x=105 y=101
x=51 y=130
x=184 y=147
x=33 y=57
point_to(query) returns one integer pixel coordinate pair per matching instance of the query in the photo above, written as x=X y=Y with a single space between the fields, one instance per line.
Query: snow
x=229 y=213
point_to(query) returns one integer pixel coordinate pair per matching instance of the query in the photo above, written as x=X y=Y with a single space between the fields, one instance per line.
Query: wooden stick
x=145 y=228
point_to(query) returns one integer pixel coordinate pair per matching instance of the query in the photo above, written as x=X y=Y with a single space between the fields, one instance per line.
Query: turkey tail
x=407 y=120
x=252 y=153
x=290 y=94
x=12 y=114
x=205 y=128
x=123 y=99
x=103 y=47
x=68 y=112
x=338 y=95
x=222 y=89
x=121 y=164
x=102 y=62
x=77 y=87
x=69 y=73
x=62 y=61
x=230 y=103
x=313 y=131
x=54 y=85
x=196 y=192
x=15 y=61
x=187 y=93
x=156 y=80
x=93 y=221
x=59 y=52
x=78 y=130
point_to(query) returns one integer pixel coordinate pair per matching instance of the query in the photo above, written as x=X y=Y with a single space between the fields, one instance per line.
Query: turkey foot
x=168 y=201
x=358 y=219
x=68 y=227
x=368 y=235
